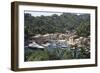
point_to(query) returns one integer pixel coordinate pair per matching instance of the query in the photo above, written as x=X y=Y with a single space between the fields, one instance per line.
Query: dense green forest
x=57 y=23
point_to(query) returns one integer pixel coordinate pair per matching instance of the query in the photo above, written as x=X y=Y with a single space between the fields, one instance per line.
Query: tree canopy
x=57 y=23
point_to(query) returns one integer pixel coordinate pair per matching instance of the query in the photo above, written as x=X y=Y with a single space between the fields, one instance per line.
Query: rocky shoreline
x=59 y=39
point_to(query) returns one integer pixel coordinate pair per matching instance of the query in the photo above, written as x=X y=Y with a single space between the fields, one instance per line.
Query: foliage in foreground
x=55 y=54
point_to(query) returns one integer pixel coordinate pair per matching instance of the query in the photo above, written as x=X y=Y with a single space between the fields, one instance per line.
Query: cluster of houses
x=58 y=40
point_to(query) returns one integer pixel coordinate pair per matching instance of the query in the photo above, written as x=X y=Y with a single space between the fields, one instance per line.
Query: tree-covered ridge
x=57 y=23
